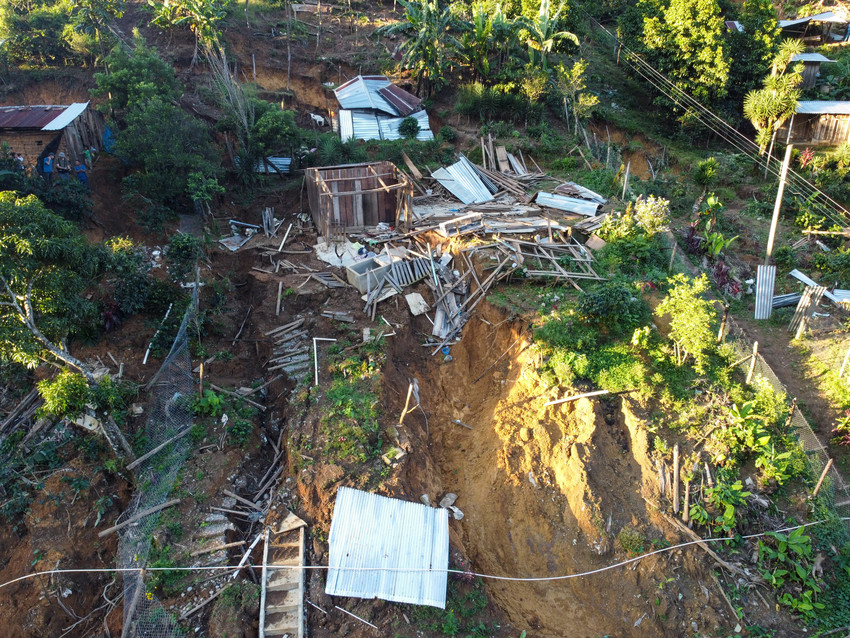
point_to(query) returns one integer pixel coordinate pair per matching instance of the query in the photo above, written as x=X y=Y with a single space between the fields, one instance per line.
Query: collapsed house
x=350 y=197
x=35 y=131
x=373 y=108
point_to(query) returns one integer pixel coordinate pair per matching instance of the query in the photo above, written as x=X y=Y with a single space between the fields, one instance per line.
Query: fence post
x=722 y=332
x=844 y=364
x=753 y=362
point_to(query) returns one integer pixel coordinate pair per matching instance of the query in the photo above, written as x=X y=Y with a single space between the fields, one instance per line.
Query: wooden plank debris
x=805 y=309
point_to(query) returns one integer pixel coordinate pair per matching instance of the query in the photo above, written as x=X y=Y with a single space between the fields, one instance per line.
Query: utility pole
x=778 y=205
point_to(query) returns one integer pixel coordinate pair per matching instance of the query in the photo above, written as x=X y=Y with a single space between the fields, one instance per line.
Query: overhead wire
x=406 y=570
x=725 y=131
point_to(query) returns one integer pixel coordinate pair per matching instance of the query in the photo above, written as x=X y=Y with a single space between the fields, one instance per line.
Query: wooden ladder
x=282 y=594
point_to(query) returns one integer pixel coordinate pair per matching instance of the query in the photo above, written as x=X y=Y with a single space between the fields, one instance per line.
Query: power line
x=722 y=128
x=406 y=570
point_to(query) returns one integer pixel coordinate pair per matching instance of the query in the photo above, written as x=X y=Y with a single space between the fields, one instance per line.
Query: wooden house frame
x=350 y=197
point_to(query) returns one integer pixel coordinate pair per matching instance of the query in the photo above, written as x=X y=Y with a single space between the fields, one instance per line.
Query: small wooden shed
x=818 y=123
x=349 y=197
x=35 y=131
x=811 y=67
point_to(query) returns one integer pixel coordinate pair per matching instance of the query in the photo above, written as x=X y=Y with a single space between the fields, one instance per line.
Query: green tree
x=691 y=316
x=544 y=33
x=202 y=17
x=752 y=50
x=34 y=32
x=91 y=17
x=164 y=145
x=768 y=108
x=45 y=265
x=572 y=84
x=685 y=43
x=430 y=45
x=136 y=76
x=477 y=44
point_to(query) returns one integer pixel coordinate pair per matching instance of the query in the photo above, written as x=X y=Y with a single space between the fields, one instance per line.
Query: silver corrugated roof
x=363 y=93
x=389 y=127
x=810 y=57
x=826 y=16
x=811 y=282
x=463 y=182
x=825 y=107
x=66 y=117
x=765 y=280
x=346 y=125
x=282 y=164
x=385 y=548
x=491 y=186
x=568 y=204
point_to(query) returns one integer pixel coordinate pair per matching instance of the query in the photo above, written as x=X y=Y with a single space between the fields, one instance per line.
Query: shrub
x=65 y=396
x=447 y=134
x=612 y=306
x=409 y=128
x=128 y=263
x=183 y=253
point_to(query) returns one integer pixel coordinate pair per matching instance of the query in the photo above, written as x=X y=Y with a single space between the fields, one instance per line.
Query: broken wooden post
x=790 y=414
x=148 y=351
x=753 y=362
x=316 y=359
x=672 y=258
x=822 y=477
x=708 y=477
x=285 y=236
x=844 y=364
x=676 y=478
x=687 y=505
x=279 y=297
x=721 y=334
x=576 y=396
x=140 y=515
x=201 y=384
x=263 y=579
x=406 y=404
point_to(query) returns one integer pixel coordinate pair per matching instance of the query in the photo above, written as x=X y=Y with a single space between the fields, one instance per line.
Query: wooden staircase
x=282 y=597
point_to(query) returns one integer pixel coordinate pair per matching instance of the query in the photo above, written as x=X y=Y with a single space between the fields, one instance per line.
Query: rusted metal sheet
x=28 y=117
x=405 y=103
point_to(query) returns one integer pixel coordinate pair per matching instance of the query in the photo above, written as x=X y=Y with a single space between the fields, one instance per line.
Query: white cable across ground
x=527 y=579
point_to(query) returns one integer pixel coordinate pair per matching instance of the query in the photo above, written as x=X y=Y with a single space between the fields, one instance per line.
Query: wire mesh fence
x=169 y=420
x=816 y=452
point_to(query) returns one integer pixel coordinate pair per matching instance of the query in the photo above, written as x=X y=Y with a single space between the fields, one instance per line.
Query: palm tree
x=769 y=107
x=543 y=33
x=90 y=17
x=430 y=46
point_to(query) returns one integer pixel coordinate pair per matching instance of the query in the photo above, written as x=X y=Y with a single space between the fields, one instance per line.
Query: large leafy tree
x=135 y=77
x=752 y=50
x=164 y=145
x=431 y=44
x=685 y=43
x=34 y=32
x=45 y=265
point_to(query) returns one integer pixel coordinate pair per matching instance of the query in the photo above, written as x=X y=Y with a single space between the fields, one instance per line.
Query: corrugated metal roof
x=810 y=57
x=463 y=182
x=826 y=16
x=811 y=282
x=571 y=189
x=568 y=204
x=282 y=164
x=389 y=127
x=734 y=25
x=370 y=532
x=488 y=183
x=405 y=103
x=30 y=117
x=765 y=280
x=363 y=93
x=69 y=115
x=824 y=108
x=364 y=125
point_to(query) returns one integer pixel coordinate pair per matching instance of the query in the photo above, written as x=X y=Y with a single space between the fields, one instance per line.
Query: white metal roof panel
x=362 y=93
x=825 y=107
x=66 y=117
x=388 y=548
x=567 y=204
x=463 y=182
x=473 y=168
x=810 y=57
x=811 y=282
x=389 y=127
x=364 y=126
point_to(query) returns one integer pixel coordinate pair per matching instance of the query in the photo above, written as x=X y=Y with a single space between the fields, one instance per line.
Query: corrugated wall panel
x=385 y=548
x=765 y=281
